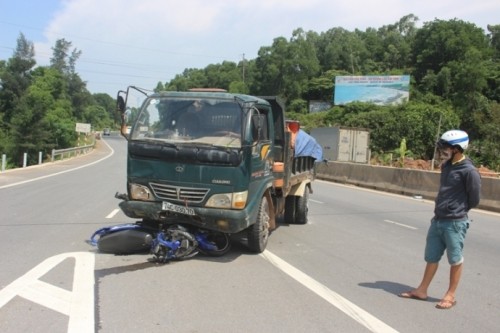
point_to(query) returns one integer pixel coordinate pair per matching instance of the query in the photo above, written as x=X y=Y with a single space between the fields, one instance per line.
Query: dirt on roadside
x=426 y=165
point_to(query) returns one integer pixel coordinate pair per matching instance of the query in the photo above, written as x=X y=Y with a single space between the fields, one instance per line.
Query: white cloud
x=143 y=42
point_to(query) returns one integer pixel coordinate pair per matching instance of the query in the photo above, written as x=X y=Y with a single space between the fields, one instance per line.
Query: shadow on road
x=394 y=288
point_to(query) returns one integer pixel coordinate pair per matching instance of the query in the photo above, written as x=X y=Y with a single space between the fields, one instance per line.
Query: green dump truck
x=215 y=160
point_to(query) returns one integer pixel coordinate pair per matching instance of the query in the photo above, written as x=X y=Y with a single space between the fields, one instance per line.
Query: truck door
x=261 y=147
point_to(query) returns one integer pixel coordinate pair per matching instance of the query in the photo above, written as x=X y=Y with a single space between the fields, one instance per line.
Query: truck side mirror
x=120 y=104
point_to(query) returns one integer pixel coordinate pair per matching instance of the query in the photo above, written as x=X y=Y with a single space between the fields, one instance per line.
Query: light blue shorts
x=446 y=235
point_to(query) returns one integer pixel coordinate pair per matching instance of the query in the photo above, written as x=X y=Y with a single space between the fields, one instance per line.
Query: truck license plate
x=176 y=208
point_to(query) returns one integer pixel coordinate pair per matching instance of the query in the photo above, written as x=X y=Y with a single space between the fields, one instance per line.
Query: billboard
x=376 y=89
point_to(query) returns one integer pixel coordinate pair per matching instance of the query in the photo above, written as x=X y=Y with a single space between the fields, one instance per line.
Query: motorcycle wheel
x=221 y=241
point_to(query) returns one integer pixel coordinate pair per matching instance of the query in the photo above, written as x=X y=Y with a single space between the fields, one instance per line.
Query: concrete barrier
x=401 y=181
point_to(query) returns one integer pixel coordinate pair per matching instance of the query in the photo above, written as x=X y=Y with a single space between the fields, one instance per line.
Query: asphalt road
x=339 y=273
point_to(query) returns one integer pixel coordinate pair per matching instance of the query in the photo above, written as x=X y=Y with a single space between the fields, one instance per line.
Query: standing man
x=459 y=191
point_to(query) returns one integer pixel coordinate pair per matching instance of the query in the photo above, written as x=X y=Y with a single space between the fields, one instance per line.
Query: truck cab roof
x=211 y=94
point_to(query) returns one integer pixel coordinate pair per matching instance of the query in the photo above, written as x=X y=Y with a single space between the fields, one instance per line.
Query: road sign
x=82 y=128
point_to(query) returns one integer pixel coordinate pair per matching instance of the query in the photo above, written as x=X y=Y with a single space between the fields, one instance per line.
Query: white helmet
x=454 y=138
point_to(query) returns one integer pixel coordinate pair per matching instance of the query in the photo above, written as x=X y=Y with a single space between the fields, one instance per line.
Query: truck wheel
x=290 y=203
x=258 y=233
x=296 y=208
x=301 y=208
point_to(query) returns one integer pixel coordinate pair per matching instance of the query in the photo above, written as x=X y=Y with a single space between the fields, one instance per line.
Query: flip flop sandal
x=410 y=295
x=445 y=304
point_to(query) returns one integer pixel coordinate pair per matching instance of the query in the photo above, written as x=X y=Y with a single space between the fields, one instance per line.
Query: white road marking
x=316 y=201
x=113 y=213
x=401 y=224
x=352 y=310
x=78 y=304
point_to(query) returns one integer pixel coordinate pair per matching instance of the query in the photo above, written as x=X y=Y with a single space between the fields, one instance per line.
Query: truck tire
x=301 y=208
x=290 y=203
x=258 y=233
x=296 y=208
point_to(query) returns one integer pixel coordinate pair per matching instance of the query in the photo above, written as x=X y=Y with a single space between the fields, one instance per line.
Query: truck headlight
x=140 y=192
x=236 y=200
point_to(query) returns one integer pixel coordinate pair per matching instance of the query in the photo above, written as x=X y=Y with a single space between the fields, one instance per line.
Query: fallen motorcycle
x=171 y=242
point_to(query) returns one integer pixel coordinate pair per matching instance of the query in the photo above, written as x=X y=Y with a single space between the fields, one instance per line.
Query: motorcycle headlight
x=236 y=200
x=140 y=192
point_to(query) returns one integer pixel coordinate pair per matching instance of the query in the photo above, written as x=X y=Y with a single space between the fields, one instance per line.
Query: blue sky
x=142 y=42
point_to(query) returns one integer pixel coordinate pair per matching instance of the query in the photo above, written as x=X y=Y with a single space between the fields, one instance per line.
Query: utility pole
x=437 y=138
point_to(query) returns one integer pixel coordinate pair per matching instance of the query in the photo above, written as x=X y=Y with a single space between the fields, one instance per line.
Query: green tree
x=485 y=149
x=28 y=126
x=304 y=63
x=439 y=42
x=221 y=75
x=16 y=78
x=492 y=80
x=238 y=87
x=286 y=66
x=109 y=104
x=269 y=68
x=190 y=78
x=62 y=59
x=495 y=39
x=469 y=80
x=322 y=86
x=61 y=124
x=159 y=87
x=97 y=116
x=397 y=40
x=341 y=50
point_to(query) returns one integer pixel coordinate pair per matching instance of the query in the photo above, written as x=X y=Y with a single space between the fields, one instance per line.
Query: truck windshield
x=189 y=121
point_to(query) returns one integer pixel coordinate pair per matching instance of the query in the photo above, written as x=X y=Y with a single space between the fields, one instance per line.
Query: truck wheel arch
x=298 y=190
x=272 y=210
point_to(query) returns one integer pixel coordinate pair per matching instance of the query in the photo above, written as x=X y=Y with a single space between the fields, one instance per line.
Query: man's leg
x=455 y=237
x=430 y=271
x=449 y=297
x=434 y=249
x=421 y=291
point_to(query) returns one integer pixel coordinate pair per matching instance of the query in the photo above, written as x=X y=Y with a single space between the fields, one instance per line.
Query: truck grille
x=177 y=193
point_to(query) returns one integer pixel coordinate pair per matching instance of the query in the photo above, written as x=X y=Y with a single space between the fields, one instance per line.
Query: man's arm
x=473 y=188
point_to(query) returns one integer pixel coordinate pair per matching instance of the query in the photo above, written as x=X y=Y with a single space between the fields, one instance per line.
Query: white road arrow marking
x=78 y=304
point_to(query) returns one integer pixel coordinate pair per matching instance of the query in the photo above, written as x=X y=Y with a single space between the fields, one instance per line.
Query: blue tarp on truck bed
x=306 y=145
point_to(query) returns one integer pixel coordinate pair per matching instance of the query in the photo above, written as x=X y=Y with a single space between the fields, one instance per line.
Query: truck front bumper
x=222 y=220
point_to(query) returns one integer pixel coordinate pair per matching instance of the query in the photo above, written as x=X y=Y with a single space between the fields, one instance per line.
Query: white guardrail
x=57 y=154
x=68 y=152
